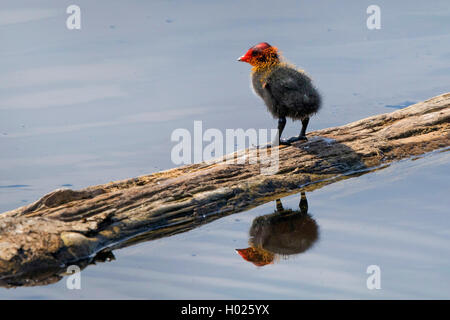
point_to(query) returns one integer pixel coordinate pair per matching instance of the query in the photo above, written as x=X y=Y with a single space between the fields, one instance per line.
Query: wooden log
x=66 y=226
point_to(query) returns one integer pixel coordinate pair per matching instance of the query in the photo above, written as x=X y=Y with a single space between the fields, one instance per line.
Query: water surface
x=86 y=107
x=386 y=218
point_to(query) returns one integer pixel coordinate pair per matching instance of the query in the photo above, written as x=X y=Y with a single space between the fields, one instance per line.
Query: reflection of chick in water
x=282 y=233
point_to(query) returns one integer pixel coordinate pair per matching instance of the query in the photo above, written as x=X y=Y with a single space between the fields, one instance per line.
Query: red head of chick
x=286 y=90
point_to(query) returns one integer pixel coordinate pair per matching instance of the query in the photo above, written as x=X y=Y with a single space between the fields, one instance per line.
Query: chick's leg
x=302 y=135
x=303 y=205
x=279 y=205
x=281 y=125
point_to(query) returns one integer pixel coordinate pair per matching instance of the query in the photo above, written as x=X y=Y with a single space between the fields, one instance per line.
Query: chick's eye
x=254 y=53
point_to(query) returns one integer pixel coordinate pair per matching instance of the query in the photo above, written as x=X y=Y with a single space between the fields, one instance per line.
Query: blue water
x=386 y=218
x=89 y=106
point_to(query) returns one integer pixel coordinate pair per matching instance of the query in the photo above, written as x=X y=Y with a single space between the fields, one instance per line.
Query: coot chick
x=280 y=234
x=286 y=90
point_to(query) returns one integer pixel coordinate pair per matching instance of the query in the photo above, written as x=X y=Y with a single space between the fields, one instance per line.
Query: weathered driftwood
x=67 y=226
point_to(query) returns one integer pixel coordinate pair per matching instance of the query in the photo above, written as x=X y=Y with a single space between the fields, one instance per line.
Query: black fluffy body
x=287 y=92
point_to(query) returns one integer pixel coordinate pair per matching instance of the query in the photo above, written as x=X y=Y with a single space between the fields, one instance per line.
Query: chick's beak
x=244 y=58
